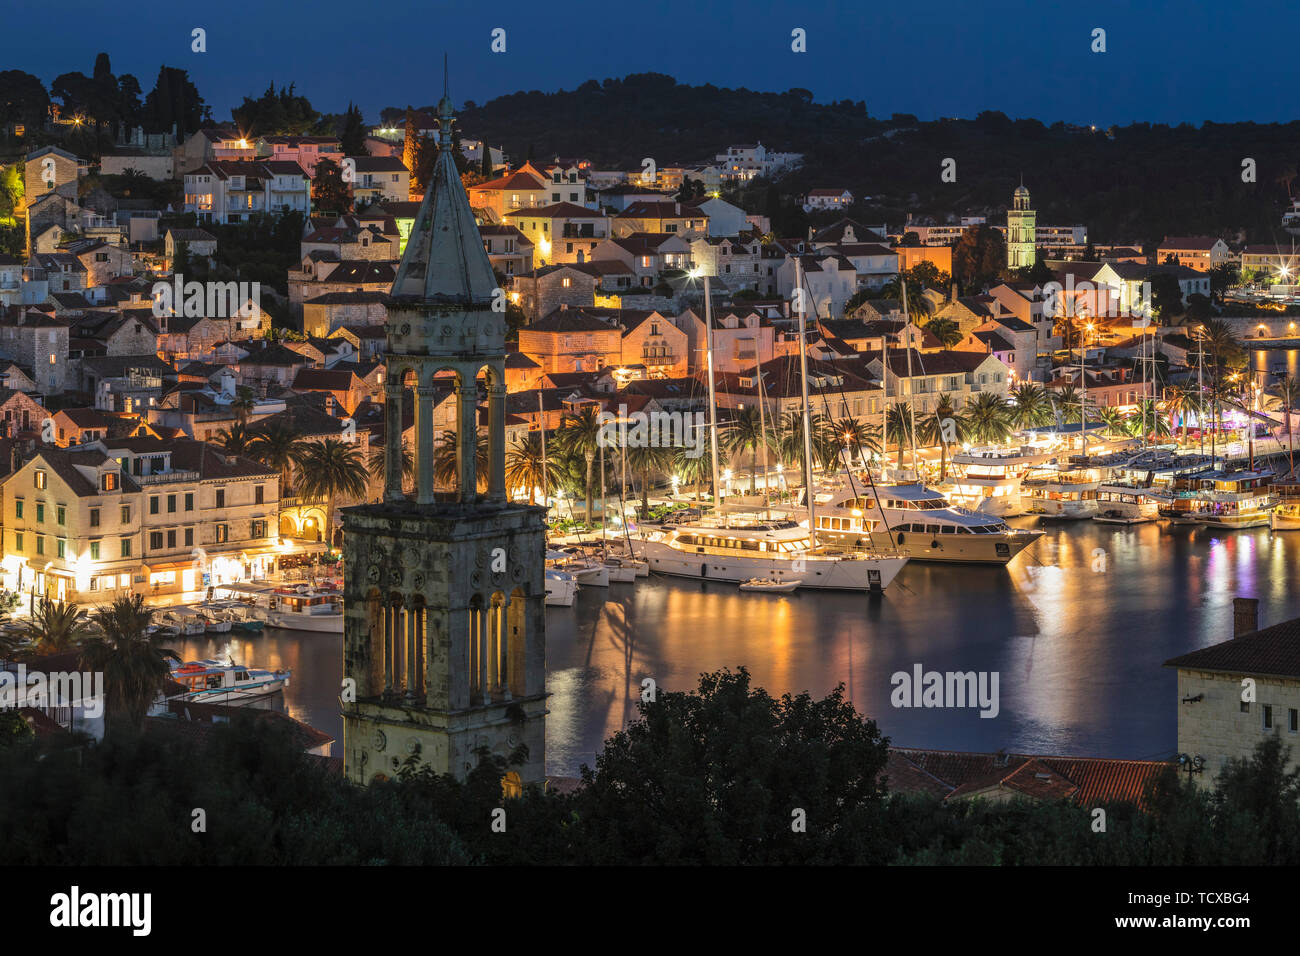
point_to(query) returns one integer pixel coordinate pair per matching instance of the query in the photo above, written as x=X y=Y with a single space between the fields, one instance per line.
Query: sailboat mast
x=911 y=384
x=604 y=547
x=762 y=424
x=799 y=294
x=713 y=405
x=884 y=403
x=541 y=425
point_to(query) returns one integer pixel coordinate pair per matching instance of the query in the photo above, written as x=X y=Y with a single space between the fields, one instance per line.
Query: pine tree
x=353 y=140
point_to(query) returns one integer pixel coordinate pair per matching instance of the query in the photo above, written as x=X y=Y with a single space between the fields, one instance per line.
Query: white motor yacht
x=917 y=521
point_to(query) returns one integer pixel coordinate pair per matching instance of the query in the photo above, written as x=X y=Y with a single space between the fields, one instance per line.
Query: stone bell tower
x=444 y=628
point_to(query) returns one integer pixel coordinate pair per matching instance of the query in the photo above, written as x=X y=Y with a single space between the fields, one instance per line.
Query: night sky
x=1188 y=61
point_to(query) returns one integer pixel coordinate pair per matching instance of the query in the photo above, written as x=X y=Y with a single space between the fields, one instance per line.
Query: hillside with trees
x=1132 y=183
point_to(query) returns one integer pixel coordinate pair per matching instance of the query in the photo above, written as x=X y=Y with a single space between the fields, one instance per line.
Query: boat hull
x=561 y=589
x=321 y=623
x=1062 y=510
x=856 y=574
x=1234 y=524
x=1284 y=522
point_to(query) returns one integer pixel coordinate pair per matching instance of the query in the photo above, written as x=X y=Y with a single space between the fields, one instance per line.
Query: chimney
x=1245 y=616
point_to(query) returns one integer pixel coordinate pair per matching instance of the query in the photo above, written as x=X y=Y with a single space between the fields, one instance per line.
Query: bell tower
x=1022 y=231
x=444 y=587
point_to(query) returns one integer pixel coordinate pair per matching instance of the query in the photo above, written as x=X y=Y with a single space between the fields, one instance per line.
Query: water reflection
x=1078 y=642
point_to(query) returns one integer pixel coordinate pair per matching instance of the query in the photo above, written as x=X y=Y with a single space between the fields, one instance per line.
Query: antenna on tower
x=444 y=81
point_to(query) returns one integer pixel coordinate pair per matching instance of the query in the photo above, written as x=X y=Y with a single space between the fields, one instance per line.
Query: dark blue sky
x=1165 y=62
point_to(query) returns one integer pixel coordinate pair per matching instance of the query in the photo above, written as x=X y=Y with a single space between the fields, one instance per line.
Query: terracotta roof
x=560 y=210
x=1085 y=781
x=1270 y=652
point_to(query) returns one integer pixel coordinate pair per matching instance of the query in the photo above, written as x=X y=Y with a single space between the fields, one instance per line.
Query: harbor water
x=1076 y=628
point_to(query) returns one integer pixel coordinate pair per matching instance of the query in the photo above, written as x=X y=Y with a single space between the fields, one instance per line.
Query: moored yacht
x=918 y=522
x=1127 y=503
x=1286 y=516
x=1063 y=492
x=1240 y=499
x=780 y=550
x=988 y=479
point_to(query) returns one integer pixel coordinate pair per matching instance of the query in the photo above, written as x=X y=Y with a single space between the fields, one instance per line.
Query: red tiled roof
x=1085 y=781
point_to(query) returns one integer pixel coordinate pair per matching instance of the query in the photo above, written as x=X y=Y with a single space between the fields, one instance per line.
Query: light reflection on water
x=1078 y=651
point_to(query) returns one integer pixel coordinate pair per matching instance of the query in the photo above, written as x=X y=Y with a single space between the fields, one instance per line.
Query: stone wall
x=1215 y=726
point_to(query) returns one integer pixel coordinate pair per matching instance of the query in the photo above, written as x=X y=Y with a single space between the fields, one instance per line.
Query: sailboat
x=764 y=548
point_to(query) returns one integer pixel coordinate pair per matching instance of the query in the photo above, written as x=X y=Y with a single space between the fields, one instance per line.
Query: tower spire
x=444 y=256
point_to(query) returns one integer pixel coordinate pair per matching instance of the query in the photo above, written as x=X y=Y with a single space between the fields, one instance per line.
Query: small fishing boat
x=185 y=621
x=771 y=585
x=211 y=681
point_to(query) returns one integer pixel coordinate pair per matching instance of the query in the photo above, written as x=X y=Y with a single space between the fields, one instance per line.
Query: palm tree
x=692 y=470
x=920 y=309
x=243 y=403
x=277 y=446
x=789 y=439
x=378 y=465
x=1113 y=422
x=1148 y=416
x=985 y=416
x=744 y=433
x=851 y=433
x=898 y=427
x=135 y=664
x=524 y=466
x=946 y=331
x=1222 y=341
x=933 y=431
x=1217 y=393
x=328 y=468
x=1183 y=400
x=446 y=468
x=237 y=439
x=646 y=460
x=1029 y=406
x=579 y=434
x=55 y=627
x=1068 y=399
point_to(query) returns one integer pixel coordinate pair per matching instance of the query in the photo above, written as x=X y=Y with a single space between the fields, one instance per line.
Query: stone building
x=444 y=628
x=37 y=341
x=1234 y=694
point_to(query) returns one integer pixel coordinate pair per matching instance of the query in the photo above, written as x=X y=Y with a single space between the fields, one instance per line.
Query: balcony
x=166 y=477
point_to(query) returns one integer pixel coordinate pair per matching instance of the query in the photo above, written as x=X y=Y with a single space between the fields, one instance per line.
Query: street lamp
x=1191 y=765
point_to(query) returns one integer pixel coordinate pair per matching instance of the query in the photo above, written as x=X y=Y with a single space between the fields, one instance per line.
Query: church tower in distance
x=1022 y=230
x=444 y=631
